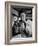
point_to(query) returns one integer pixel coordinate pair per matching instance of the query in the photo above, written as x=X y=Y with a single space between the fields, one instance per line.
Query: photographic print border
x=8 y=21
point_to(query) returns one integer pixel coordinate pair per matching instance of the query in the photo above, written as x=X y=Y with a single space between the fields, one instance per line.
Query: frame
x=8 y=22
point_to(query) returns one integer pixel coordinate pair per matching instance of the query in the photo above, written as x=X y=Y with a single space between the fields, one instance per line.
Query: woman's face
x=23 y=16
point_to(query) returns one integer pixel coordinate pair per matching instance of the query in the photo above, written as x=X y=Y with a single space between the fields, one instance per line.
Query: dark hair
x=21 y=11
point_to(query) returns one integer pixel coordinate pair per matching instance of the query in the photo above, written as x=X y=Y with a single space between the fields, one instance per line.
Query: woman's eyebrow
x=14 y=14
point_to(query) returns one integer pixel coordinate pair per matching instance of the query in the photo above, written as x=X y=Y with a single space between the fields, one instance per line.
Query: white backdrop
x=2 y=22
